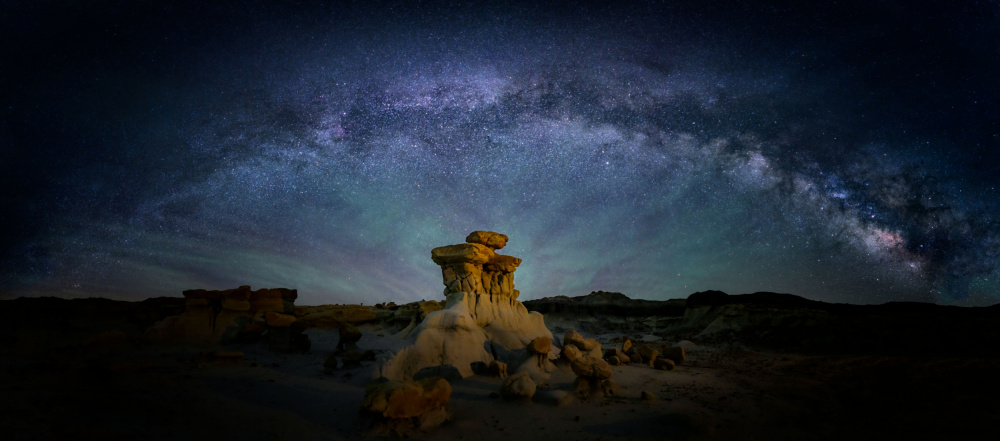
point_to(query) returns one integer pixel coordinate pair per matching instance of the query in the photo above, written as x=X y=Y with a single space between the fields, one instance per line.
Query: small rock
x=591 y=368
x=626 y=345
x=540 y=345
x=663 y=364
x=647 y=396
x=609 y=387
x=497 y=369
x=648 y=353
x=349 y=336
x=614 y=361
x=570 y=352
x=518 y=386
x=574 y=338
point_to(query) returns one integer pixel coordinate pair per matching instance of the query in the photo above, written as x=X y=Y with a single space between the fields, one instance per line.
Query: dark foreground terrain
x=761 y=366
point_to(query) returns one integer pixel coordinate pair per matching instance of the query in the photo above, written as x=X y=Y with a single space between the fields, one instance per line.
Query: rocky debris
x=591 y=368
x=647 y=353
x=663 y=364
x=401 y=407
x=348 y=337
x=220 y=316
x=675 y=353
x=617 y=353
x=626 y=346
x=497 y=369
x=488 y=238
x=518 y=386
x=330 y=364
x=574 y=338
x=541 y=345
x=481 y=308
x=647 y=396
x=571 y=352
x=614 y=360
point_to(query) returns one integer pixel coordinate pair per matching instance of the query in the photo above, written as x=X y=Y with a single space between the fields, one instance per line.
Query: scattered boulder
x=647 y=396
x=609 y=387
x=574 y=338
x=675 y=353
x=648 y=353
x=518 y=386
x=663 y=364
x=591 y=368
x=349 y=336
x=622 y=358
x=400 y=407
x=636 y=358
x=571 y=352
x=541 y=345
x=497 y=369
x=626 y=346
x=614 y=360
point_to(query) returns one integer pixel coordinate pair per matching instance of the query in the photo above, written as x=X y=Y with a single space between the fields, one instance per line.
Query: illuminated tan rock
x=212 y=317
x=481 y=307
x=488 y=238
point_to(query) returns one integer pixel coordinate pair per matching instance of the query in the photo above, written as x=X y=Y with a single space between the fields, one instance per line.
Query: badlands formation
x=477 y=363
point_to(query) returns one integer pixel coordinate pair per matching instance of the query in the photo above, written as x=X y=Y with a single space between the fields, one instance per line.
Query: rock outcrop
x=482 y=320
x=400 y=407
x=212 y=317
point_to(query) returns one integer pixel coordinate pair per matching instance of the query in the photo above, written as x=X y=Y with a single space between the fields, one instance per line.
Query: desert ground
x=114 y=386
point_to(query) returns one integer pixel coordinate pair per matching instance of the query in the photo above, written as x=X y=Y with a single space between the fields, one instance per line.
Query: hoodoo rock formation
x=481 y=322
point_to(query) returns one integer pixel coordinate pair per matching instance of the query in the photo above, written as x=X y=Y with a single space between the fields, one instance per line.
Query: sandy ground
x=721 y=392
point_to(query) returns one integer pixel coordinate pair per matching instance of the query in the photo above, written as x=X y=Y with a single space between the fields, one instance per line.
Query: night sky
x=841 y=151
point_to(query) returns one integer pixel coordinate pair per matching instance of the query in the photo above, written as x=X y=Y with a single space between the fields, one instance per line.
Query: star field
x=844 y=153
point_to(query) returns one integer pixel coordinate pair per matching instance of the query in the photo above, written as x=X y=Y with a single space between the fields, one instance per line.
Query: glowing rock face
x=476 y=268
x=481 y=310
